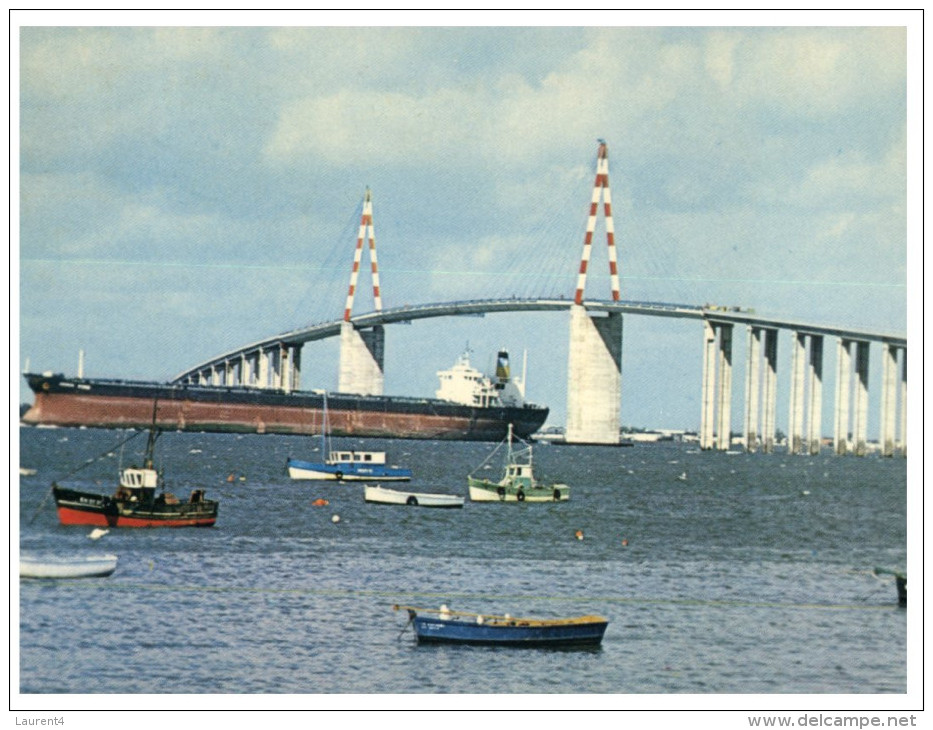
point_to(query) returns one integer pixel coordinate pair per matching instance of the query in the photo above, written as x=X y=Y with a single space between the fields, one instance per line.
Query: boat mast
x=149 y=461
x=325 y=427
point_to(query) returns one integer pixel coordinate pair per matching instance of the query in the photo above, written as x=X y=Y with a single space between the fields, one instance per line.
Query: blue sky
x=186 y=190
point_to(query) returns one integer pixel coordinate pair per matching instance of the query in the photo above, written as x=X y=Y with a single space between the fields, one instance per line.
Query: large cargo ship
x=470 y=406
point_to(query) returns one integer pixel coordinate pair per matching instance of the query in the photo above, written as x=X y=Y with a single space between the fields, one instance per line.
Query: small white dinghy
x=381 y=495
x=91 y=566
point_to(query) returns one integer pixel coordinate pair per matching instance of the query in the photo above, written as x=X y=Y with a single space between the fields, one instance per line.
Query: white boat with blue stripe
x=349 y=466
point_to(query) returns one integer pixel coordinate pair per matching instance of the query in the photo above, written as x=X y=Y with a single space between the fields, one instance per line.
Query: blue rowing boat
x=457 y=627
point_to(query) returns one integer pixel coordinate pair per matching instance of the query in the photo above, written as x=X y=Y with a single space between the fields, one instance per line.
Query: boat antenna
x=154 y=434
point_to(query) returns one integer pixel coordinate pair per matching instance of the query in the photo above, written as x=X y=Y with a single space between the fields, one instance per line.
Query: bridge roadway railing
x=480 y=307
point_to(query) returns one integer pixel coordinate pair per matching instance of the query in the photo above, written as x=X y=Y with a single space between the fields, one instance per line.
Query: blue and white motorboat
x=349 y=466
x=457 y=627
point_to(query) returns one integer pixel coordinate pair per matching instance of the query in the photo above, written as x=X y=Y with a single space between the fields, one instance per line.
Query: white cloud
x=819 y=71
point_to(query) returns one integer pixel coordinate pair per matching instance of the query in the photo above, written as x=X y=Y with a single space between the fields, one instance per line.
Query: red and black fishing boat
x=136 y=502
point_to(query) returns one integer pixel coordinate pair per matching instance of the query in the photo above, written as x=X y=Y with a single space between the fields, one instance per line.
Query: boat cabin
x=135 y=478
x=136 y=482
x=357 y=457
x=519 y=474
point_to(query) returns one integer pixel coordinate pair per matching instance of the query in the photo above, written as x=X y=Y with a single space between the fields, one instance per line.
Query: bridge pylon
x=594 y=369
x=362 y=352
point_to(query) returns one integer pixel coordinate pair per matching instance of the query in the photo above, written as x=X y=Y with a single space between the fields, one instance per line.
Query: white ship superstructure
x=465 y=384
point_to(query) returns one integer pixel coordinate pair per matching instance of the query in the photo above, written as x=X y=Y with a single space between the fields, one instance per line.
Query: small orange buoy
x=578 y=534
x=624 y=541
x=230 y=477
x=320 y=502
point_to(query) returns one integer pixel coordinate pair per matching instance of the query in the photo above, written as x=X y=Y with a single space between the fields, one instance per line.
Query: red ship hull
x=68 y=516
x=98 y=510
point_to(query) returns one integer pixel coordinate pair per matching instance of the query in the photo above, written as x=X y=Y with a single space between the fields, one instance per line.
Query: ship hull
x=61 y=401
x=85 y=508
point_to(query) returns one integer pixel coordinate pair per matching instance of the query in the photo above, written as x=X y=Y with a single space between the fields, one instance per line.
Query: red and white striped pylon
x=600 y=187
x=366 y=223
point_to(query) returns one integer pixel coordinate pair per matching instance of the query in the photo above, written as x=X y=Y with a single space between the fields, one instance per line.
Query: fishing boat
x=382 y=495
x=345 y=465
x=457 y=627
x=98 y=566
x=519 y=483
x=139 y=501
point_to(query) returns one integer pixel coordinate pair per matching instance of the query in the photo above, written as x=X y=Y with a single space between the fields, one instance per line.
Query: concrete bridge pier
x=860 y=425
x=716 y=416
x=815 y=396
x=760 y=388
x=843 y=397
x=797 y=387
x=769 y=391
x=752 y=389
x=246 y=369
x=594 y=377
x=806 y=393
x=903 y=391
x=362 y=357
x=851 y=416
x=262 y=373
x=294 y=380
x=893 y=398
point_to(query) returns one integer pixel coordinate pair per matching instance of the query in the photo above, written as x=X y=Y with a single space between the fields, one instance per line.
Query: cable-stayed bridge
x=594 y=364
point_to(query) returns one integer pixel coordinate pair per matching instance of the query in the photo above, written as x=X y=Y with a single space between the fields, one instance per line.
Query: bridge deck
x=408 y=313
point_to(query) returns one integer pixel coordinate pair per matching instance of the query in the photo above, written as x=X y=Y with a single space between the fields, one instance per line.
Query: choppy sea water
x=752 y=575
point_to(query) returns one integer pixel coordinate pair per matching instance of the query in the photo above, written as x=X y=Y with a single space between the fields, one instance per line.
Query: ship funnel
x=502 y=366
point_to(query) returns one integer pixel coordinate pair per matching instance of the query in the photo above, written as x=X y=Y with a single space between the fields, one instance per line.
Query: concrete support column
x=903 y=390
x=244 y=369
x=716 y=417
x=708 y=404
x=255 y=366
x=797 y=381
x=888 y=399
x=594 y=377
x=229 y=373
x=752 y=388
x=769 y=391
x=843 y=396
x=263 y=379
x=362 y=356
x=860 y=427
x=285 y=368
x=275 y=366
x=296 y=367
x=815 y=396
x=724 y=389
